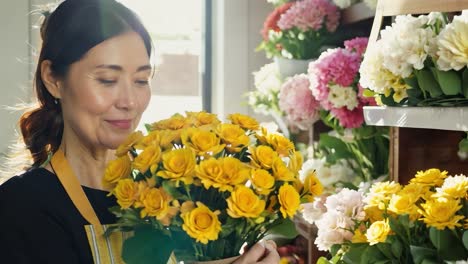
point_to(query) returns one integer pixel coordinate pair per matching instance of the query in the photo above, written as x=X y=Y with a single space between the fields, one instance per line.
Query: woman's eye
x=107 y=81
x=142 y=82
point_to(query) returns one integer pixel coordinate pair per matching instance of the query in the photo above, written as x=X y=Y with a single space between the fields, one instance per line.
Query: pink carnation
x=358 y=45
x=311 y=14
x=347 y=118
x=297 y=101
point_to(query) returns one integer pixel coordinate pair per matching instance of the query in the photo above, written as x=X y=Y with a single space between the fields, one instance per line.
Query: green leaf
x=428 y=83
x=463 y=145
x=465 y=82
x=465 y=239
x=340 y=151
x=386 y=249
x=147 y=246
x=285 y=229
x=323 y=260
x=388 y=100
x=355 y=252
x=447 y=244
x=449 y=81
x=413 y=82
x=368 y=93
x=421 y=253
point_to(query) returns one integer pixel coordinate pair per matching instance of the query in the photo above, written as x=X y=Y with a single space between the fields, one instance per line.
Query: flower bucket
x=218 y=261
x=290 y=67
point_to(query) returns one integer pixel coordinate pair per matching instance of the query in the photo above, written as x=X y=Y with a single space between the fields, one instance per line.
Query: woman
x=92 y=84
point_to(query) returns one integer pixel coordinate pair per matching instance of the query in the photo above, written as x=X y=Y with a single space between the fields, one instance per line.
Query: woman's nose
x=127 y=97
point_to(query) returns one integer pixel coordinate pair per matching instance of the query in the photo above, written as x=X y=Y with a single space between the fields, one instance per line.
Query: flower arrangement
x=334 y=81
x=202 y=188
x=419 y=61
x=297 y=30
x=424 y=221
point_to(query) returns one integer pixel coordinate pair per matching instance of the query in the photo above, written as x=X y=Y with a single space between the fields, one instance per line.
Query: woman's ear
x=50 y=80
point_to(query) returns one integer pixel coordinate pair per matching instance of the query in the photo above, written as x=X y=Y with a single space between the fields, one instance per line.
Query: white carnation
x=341 y=96
x=267 y=79
x=453 y=44
x=333 y=228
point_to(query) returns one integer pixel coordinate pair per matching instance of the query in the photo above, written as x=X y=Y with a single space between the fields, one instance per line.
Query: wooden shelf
x=355 y=13
x=442 y=118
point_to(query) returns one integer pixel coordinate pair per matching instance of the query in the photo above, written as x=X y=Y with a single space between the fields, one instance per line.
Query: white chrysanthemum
x=453 y=44
x=268 y=78
x=406 y=44
x=341 y=96
x=333 y=228
x=373 y=74
x=349 y=203
x=344 y=3
x=372 y=4
x=454 y=187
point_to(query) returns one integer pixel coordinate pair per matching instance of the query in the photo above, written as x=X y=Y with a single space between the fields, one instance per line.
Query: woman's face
x=105 y=93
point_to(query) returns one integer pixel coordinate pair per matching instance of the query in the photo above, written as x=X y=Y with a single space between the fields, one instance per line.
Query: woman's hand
x=263 y=252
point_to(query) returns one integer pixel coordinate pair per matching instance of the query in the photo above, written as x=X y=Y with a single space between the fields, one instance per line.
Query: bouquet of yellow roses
x=202 y=188
x=425 y=221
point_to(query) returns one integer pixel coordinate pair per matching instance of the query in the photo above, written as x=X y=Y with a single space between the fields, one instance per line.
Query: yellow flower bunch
x=216 y=184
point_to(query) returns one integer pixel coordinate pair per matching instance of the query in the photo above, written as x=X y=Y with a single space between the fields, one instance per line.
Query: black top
x=40 y=224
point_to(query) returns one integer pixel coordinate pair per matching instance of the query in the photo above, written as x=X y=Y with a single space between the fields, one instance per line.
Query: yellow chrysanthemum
x=441 y=213
x=156 y=203
x=281 y=172
x=404 y=204
x=201 y=223
x=262 y=181
x=244 y=203
x=280 y=144
x=204 y=143
x=175 y=122
x=373 y=213
x=430 y=177
x=380 y=194
x=152 y=139
x=131 y=140
x=116 y=170
x=233 y=136
x=289 y=200
x=378 y=232
x=416 y=190
x=244 y=121
x=262 y=156
x=126 y=193
x=179 y=165
x=148 y=159
x=454 y=187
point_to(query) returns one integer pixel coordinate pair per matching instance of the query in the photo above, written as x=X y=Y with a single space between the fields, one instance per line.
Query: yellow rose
x=201 y=223
x=117 y=169
x=312 y=186
x=404 y=204
x=295 y=162
x=152 y=139
x=262 y=181
x=281 y=172
x=378 y=232
x=204 y=143
x=211 y=173
x=289 y=200
x=441 y=213
x=262 y=136
x=244 y=121
x=244 y=203
x=280 y=144
x=168 y=138
x=131 y=140
x=126 y=193
x=263 y=156
x=202 y=118
x=430 y=177
x=373 y=213
x=179 y=165
x=156 y=203
x=233 y=136
x=235 y=172
x=175 y=122
x=380 y=194
x=148 y=159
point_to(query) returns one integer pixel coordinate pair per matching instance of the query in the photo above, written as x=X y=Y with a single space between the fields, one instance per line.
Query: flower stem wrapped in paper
x=202 y=188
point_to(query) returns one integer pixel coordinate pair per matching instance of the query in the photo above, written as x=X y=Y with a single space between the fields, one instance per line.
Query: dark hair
x=68 y=33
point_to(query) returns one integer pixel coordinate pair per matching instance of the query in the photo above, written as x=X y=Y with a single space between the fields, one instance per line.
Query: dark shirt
x=40 y=224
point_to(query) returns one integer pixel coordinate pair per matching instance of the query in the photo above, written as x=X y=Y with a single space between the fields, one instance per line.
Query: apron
x=105 y=249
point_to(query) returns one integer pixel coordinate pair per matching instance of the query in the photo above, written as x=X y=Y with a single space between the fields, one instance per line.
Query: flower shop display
x=203 y=188
x=419 y=61
x=425 y=221
x=297 y=30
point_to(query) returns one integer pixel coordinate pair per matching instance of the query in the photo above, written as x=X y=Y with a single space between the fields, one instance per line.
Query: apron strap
x=73 y=188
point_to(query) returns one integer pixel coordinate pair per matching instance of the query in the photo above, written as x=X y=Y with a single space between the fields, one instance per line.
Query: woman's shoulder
x=34 y=183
